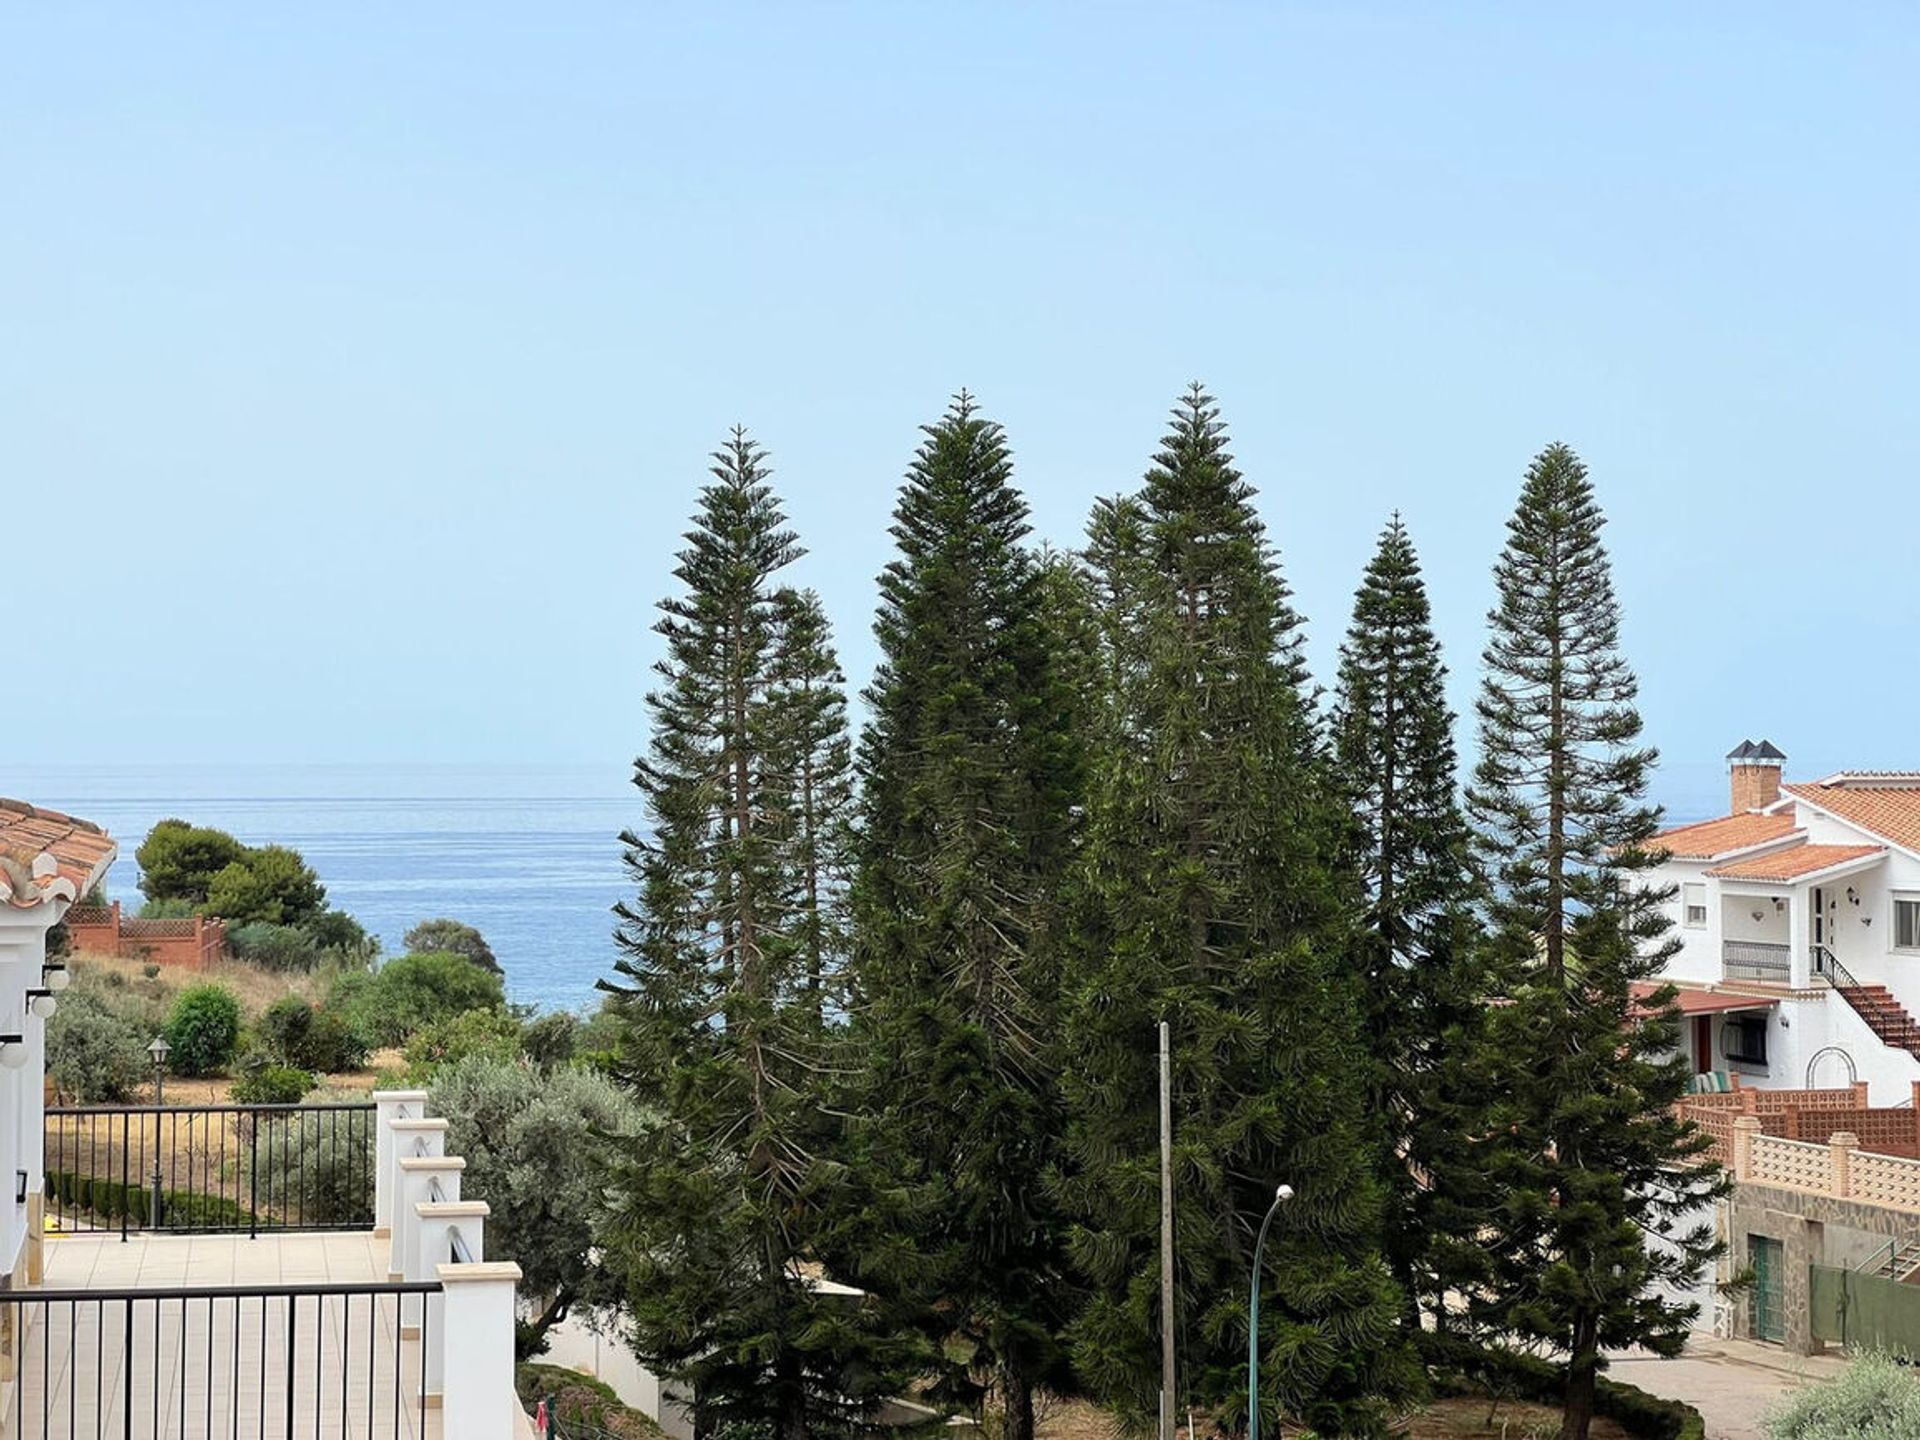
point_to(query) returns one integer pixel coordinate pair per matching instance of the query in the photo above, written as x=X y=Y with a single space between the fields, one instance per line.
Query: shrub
x=338 y=931
x=551 y=1040
x=272 y=1085
x=274 y=947
x=472 y=1034
x=1874 y=1398
x=407 y=994
x=95 y=1055
x=315 y=1165
x=452 y=938
x=296 y=1034
x=169 y=910
x=204 y=1030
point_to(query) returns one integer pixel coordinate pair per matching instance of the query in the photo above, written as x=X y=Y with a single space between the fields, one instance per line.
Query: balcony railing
x=1755 y=960
x=320 y=1361
x=210 y=1169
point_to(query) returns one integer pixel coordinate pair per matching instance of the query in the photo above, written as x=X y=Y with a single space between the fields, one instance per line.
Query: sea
x=528 y=854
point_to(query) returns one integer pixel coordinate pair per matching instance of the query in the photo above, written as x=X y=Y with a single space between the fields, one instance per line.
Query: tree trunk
x=1582 y=1371
x=1016 y=1403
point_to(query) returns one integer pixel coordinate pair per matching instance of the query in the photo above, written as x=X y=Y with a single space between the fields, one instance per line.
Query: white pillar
x=407 y=1137
x=437 y=1225
x=389 y=1105
x=1799 y=948
x=476 y=1337
x=418 y=1175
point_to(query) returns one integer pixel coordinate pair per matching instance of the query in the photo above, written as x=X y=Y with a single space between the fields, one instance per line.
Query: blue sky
x=358 y=366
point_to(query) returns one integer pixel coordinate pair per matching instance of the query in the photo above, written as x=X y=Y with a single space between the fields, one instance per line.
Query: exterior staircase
x=1885 y=1016
x=1897 y=1260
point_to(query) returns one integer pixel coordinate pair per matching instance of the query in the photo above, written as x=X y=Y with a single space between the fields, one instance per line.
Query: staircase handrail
x=1827 y=964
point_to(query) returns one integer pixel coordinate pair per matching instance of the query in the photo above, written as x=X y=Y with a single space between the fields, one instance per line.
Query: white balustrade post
x=413 y=1139
x=438 y=1224
x=389 y=1105
x=476 y=1336
x=419 y=1177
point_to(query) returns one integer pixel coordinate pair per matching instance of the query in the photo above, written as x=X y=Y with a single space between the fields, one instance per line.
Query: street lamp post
x=1280 y=1197
x=159 y=1050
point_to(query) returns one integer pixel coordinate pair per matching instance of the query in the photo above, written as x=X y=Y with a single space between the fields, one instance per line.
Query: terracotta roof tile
x=1889 y=811
x=1795 y=861
x=1711 y=839
x=45 y=855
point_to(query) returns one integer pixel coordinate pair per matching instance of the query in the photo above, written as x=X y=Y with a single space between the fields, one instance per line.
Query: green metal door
x=1769 y=1273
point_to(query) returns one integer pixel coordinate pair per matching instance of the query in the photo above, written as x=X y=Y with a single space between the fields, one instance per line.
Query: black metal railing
x=1827 y=965
x=220 y=1169
x=314 y=1362
x=1755 y=960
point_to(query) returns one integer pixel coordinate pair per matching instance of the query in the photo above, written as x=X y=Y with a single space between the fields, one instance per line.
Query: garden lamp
x=55 y=976
x=41 y=1004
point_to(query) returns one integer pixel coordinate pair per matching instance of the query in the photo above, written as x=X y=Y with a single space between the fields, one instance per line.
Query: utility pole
x=1166 y=1236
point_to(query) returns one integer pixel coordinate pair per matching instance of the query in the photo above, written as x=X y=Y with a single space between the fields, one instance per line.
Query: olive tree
x=539 y=1149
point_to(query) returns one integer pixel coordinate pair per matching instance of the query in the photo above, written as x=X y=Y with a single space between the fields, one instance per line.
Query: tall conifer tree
x=1579 y=1154
x=811 y=760
x=969 y=780
x=1394 y=757
x=726 y=1192
x=1213 y=896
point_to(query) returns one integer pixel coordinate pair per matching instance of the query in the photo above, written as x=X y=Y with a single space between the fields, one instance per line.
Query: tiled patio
x=202 y=1368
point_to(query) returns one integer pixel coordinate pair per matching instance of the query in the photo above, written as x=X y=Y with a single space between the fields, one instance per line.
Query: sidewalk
x=1732 y=1383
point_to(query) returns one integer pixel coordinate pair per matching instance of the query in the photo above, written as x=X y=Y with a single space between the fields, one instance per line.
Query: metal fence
x=315 y=1362
x=1755 y=960
x=215 y=1169
x=1864 y=1311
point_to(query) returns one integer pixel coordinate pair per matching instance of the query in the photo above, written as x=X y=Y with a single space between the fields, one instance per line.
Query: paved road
x=1733 y=1383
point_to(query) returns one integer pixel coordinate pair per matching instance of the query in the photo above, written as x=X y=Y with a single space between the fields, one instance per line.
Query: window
x=1906 y=922
x=1745 y=1039
x=1694 y=899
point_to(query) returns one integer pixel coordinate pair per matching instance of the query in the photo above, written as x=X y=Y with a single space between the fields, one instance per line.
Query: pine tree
x=812 y=763
x=1394 y=757
x=1579 y=1154
x=1211 y=894
x=727 y=1191
x=969 y=776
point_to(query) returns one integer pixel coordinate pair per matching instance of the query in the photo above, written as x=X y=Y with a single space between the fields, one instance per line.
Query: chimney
x=1756 y=775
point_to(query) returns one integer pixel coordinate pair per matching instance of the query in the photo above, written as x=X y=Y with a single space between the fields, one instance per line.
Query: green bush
x=412 y=992
x=204 y=1030
x=337 y=931
x=472 y=1034
x=169 y=910
x=96 y=1055
x=295 y=1034
x=551 y=1040
x=272 y=1085
x=1874 y=1398
x=451 y=937
x=315 y=1165
x=105 y=1199
x=274 y=947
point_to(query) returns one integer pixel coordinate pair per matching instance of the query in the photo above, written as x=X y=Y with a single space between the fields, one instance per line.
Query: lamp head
x=1285 y=1192
x=41 y=1004
x=159 y=1050
x=56 y=977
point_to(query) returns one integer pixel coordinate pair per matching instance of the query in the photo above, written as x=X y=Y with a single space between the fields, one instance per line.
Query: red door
x=1703 y=1043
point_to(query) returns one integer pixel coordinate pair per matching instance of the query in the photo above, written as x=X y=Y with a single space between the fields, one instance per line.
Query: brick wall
x=195 y=943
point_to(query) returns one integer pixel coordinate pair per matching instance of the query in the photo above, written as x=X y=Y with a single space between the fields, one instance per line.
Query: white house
x=47 y=861
x=1798 y=914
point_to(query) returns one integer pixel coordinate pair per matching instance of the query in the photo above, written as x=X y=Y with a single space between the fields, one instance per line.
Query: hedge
x=109 y=1199
x=1460 y=1367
